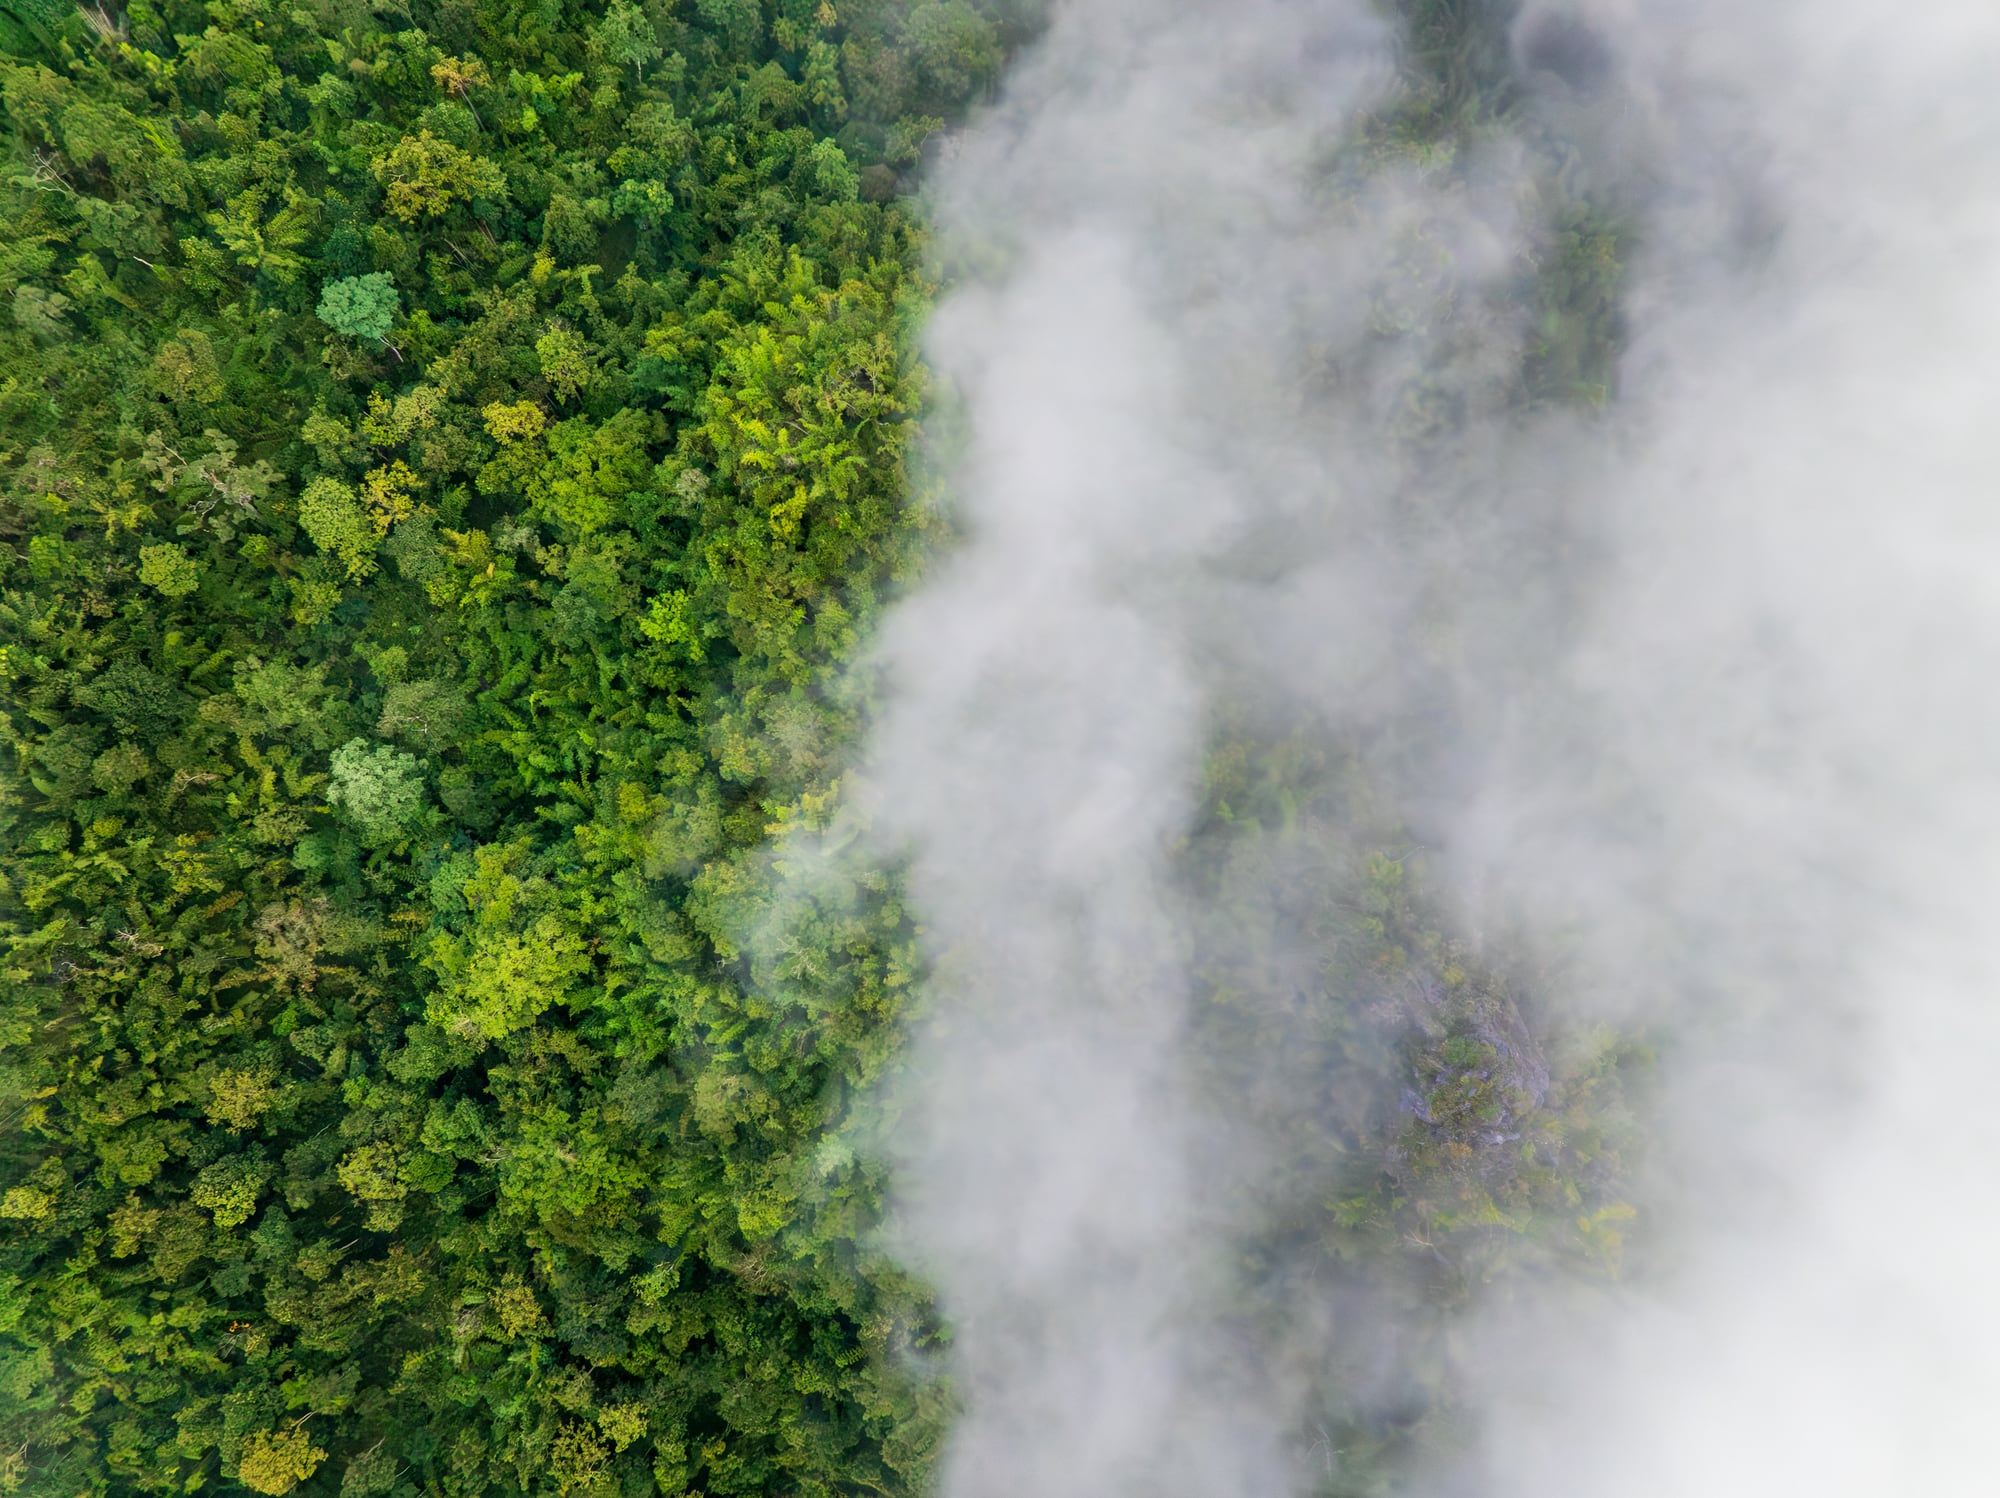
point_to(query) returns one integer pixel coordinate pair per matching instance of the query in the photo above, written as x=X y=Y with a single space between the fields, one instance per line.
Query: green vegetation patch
x=446 y=460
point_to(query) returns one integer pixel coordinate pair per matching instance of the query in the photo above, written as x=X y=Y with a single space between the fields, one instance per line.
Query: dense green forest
x=450 y=455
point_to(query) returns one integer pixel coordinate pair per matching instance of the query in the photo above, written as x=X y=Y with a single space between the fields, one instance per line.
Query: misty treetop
x=450 y=457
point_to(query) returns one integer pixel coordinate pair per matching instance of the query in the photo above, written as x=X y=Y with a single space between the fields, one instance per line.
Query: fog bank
x=1650 y=626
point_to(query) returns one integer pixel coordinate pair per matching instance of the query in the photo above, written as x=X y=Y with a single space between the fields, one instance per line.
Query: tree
x=379 y=788
x=423 y=175
x=461 y=75
x=625 y=38
x=169 y=569
x=955 y=49
x=275 y=1462
x=360 y=306
x=186 y=369
x=332 y=515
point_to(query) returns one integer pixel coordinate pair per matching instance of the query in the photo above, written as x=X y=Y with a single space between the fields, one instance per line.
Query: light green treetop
x=360 y=306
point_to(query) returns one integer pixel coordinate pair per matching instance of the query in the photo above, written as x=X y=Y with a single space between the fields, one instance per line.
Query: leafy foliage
x=168 y=568
x=360 y=306
x=447 y=466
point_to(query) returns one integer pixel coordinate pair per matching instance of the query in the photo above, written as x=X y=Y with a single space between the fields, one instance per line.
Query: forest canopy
x=448 y=454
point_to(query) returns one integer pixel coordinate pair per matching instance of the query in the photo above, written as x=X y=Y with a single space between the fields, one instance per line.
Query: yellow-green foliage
x=170 y=569
x=330 y=513
x=278 y=1461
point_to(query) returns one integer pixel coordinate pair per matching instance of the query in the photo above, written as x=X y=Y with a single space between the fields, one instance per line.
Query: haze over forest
x=851 y=747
